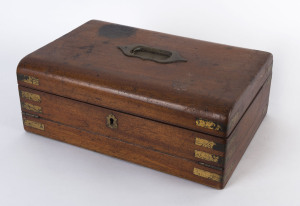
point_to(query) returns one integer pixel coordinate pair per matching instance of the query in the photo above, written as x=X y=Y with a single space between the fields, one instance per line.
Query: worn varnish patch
x=116 y=31
x=208 y=157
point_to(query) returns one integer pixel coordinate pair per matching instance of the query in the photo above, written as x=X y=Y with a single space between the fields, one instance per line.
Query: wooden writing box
x=182 y=106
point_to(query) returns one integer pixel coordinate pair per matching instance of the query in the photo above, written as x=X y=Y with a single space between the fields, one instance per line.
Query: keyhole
x=112 y=121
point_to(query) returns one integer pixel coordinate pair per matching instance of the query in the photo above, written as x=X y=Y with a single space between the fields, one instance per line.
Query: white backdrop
x=40 y=171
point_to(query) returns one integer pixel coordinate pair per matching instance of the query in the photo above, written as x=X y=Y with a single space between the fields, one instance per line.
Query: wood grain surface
x=160 y=161
x=241 y=137
x=147 y=133
x=75 y=122
x=192 y=118
x=216 y=84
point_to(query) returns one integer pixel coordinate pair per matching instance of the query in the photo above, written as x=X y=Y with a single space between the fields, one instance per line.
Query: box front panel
x=157 y=136
x=184 y=153
x=180 y=167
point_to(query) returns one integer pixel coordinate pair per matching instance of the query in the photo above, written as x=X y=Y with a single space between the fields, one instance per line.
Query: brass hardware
x=33 y=124
x=28 y=79
x=209 y=144
x=204 y=143
x=208 y=124
x=150 y=53
x=30 y=96
x=31 y=107
x=206 y=174
x=206 y=156
x=112 y=121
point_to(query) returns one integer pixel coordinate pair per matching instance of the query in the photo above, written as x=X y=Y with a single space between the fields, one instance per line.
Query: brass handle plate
x=151 y=53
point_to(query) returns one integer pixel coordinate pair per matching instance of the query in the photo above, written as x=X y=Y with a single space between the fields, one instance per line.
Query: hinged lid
x=193 y=84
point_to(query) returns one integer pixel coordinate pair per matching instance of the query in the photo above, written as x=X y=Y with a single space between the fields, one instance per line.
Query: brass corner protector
x=204 y=143
x=28 y=79
x=30 y=96
x=209 y=144
x=33 y=124
x=31 y=107
x=208 y=157
x=206 y=174
x=208 y=124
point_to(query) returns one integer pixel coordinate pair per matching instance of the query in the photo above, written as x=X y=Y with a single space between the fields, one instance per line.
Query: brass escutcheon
x=112 y=121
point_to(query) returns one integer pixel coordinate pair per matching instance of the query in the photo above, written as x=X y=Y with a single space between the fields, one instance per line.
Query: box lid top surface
x=209 y=92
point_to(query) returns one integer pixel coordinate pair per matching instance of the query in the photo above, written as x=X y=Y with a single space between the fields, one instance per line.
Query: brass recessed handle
x=111 y=121
x=151 y=53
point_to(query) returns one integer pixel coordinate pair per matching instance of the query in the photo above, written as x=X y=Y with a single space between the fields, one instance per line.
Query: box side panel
x=159 y=161
x=150 y=134
x=250 y=93
x=241 y=137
